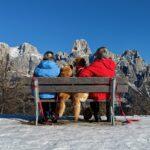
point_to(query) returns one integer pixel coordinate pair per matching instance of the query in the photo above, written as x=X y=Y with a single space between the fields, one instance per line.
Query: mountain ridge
x=130 y=65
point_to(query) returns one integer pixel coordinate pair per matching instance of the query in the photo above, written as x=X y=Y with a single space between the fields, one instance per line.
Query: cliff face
x=80 y=49
x=24 y=57
x=132 y=66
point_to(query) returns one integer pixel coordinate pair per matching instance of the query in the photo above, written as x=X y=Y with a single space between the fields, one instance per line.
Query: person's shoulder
x=49 y=62
x=97 y=61
x=54 y=63
x=111 y=61
x=43 y=61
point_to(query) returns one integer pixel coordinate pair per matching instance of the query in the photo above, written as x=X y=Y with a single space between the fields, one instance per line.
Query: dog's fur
x=77 y=98
x=66 y=71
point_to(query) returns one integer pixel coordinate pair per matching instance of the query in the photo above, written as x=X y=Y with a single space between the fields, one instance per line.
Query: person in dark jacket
x=47 y=68
x=101 y=67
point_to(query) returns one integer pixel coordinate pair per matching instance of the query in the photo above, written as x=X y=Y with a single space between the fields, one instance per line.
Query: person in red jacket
x=101 y=67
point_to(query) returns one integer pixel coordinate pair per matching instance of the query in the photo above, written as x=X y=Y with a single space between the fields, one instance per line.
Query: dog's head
x=66 y=71
x=79 y=61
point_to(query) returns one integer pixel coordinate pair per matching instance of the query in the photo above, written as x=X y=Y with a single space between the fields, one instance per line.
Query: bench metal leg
x=36 y=113
x=113 y=97
x=112 y=116
x=36 y=92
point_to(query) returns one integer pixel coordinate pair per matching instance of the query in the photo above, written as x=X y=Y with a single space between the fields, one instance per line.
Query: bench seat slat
x=82 y=88
x=68 y=101
x=74 y=88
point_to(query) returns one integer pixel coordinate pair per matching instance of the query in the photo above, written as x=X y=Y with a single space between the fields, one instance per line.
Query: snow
x=14 y=52
x=36 y=55
x=74 y=136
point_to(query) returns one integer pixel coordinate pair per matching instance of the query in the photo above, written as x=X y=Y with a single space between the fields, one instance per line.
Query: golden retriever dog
x=77 y=98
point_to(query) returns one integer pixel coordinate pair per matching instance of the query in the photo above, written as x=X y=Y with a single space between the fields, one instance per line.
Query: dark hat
x=48 y=55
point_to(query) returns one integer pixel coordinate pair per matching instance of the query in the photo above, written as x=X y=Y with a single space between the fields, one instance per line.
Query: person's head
x=101 y=52
x=49 y=55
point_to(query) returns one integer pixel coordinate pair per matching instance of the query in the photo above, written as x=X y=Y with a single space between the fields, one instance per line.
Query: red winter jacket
x=104 y=67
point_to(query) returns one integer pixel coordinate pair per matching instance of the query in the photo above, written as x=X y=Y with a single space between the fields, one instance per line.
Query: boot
x=95 y=109
x=53 y=113
x=97 y=117
x=45 y=106
x=54 y=118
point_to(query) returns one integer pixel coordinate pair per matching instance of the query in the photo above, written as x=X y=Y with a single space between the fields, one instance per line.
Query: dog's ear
x=83 y=62
x=71 y=66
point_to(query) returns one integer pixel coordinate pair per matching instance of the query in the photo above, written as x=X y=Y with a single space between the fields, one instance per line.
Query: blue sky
x=55 y=24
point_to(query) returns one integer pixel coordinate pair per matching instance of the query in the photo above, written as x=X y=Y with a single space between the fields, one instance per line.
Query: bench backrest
x=75 y=84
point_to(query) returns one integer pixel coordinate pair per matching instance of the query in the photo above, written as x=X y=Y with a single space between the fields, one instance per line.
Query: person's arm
x=86 y=73
x=55 y=70
x=36 y=71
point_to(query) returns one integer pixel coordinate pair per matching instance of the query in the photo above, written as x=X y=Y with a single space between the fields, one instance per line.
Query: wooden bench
x=75 y=85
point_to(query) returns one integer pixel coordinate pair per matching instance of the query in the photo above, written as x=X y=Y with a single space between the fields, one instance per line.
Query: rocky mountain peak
x=24 y=57
x=28 y=49
x=4 y=49
x=4 y=45
x=81 y=47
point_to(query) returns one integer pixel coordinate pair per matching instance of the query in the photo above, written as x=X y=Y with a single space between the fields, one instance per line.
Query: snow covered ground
x=82 y=136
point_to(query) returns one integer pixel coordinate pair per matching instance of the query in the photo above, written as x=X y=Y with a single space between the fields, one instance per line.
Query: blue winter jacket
x=47 y=68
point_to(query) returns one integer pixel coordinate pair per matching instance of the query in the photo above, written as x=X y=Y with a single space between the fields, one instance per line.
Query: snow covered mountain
x=25 y=57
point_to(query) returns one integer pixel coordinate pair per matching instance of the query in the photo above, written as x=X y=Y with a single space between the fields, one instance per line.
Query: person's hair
x=101 y=52
x=49 y=55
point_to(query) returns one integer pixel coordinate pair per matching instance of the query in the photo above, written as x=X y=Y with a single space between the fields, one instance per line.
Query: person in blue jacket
x=47 y=68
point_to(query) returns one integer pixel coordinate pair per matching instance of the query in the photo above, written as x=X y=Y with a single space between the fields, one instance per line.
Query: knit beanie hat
x=48 y=55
